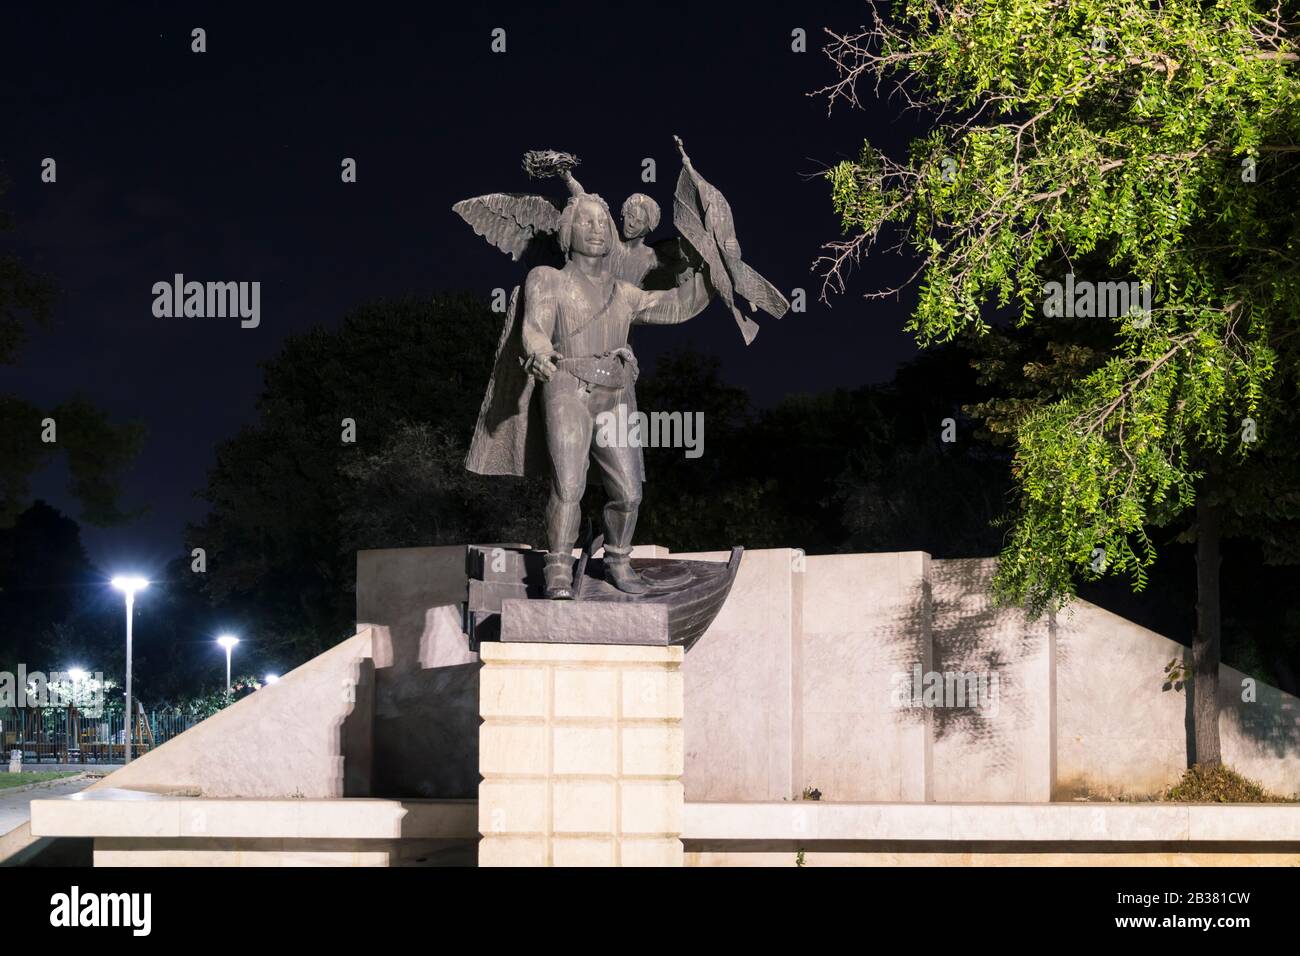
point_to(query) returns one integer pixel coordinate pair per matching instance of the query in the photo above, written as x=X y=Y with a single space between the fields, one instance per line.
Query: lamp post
x=128 y=585
x=228 y=642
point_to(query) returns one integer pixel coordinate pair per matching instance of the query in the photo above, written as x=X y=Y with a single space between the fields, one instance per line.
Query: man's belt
x=616 y=369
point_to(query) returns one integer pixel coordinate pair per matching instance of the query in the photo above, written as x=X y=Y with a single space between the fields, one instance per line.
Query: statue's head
x=640 y=216
x=586 y=226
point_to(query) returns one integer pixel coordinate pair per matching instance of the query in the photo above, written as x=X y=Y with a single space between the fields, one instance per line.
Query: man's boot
x=558 y=568
x=620 y=573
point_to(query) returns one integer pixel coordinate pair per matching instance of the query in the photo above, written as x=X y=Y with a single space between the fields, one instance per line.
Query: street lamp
x=228 y=642
x=272 y=678
x=128 y=585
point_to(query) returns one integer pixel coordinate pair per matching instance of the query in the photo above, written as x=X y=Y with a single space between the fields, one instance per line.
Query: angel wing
x=517 y=223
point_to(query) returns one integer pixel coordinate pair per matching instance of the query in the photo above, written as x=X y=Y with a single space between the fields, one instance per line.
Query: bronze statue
x=566 y=337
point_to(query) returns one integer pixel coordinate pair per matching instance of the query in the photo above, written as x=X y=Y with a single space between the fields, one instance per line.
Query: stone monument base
x=584 y=622
x=581 y=753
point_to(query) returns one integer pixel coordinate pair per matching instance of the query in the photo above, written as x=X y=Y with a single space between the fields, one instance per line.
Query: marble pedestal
x=581 y=755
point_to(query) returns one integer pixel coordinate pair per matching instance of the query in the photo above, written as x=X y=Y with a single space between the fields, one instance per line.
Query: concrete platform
x=810 y=821
x=133 y=813
x=136 y=828
x=962 y=834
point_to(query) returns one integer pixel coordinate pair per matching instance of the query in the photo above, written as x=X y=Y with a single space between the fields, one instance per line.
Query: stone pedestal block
x=581 y=755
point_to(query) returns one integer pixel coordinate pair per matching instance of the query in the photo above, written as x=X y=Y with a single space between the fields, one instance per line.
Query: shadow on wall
x=1125 y=729
x=1269 y=725
x=972 y=636
x=425 y=728
x=356 y=732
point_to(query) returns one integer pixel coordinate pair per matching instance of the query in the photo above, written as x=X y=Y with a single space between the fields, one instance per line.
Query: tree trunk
x=1205 y=644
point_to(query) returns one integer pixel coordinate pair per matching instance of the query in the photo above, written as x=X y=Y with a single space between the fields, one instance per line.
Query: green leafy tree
x=1030 y=366
x=1147 y=143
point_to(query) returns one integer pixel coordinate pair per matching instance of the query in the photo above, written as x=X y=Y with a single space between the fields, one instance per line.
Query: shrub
x=1219 y=785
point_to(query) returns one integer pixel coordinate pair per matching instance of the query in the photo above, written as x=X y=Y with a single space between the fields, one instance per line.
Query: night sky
x=225 y=166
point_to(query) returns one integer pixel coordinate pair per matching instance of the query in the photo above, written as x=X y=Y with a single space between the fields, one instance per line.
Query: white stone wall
x=1121 y=732
x=309 y=735
x=790 y=689
x=864 y=621
x=741 y=685
x=1000 y=753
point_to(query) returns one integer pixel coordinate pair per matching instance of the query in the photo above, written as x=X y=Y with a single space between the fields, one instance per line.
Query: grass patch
x=23 y=779
x=1219 y=785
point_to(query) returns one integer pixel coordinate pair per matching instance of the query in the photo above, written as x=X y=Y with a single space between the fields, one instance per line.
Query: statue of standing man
x=576 y=322
x=567 y=337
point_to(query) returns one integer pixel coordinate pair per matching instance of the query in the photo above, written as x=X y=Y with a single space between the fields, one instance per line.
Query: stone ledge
x=135 y=814
x=1006 y=823
x=531 y=653
x=624 y=623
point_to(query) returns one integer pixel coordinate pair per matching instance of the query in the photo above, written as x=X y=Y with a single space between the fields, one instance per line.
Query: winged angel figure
x=526 y=226
x=563 y=361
